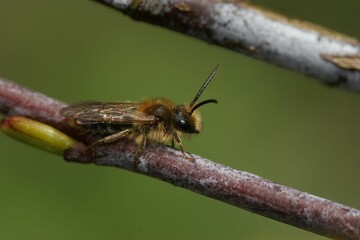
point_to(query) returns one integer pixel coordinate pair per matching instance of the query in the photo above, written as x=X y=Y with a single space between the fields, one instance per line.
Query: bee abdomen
x=102 y=129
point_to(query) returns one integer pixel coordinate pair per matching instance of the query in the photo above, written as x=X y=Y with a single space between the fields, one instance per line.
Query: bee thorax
x=162 y=112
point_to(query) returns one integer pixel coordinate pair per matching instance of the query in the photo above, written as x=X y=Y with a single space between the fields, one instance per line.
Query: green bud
x=36 y=134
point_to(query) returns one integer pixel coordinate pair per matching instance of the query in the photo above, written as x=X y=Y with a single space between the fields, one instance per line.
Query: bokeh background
x=269 y=121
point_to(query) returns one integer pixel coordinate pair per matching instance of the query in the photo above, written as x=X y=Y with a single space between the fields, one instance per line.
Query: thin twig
x=239 y=188
x=297 y=45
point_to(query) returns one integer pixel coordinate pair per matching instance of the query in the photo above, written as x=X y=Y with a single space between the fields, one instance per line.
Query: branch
x=239 y=188
x=237 y=25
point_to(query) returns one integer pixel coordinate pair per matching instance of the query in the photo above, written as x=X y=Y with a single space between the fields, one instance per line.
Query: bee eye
x=182 y=121
x=184 y=126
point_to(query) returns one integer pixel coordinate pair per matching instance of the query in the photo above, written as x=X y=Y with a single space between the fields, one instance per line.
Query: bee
x=156 y=119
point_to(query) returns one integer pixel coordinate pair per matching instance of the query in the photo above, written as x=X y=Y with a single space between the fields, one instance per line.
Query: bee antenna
x=212 y=74
x=202 y=103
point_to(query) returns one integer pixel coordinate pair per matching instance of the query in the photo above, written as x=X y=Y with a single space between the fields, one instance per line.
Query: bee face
x=184 y=121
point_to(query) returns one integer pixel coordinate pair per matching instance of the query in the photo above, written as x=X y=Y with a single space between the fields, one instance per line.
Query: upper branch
x=237 y=25
x=239 y=188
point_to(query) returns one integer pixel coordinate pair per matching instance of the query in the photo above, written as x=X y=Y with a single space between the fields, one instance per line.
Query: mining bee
x=156 y=119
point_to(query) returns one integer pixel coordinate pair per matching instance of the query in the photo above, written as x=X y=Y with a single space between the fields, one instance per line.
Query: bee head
x=186 y=119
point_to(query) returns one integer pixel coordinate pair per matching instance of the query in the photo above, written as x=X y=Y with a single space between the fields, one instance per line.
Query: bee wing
x=114 y=113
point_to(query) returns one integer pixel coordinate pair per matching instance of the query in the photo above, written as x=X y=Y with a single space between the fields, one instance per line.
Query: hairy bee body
x=160 y=129
x=156 y=119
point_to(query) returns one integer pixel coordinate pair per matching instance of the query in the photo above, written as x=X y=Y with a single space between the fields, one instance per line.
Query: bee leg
x=108 y=139
x=178 y=141
x=139 y=149
x=112 y=138
x=188 y=157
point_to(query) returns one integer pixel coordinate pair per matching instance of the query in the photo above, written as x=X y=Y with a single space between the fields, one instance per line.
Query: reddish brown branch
x=242 y=27
x=17 y=100
x=239 y=188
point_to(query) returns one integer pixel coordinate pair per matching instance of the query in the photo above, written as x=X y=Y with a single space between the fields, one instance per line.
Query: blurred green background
x=269 y=121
